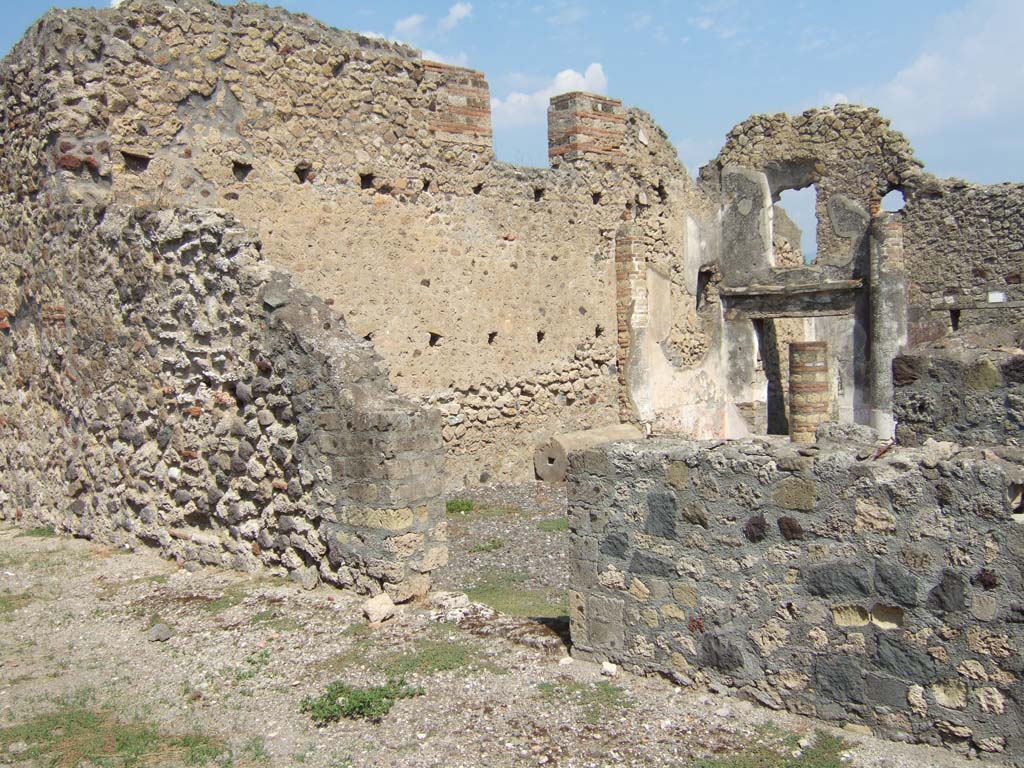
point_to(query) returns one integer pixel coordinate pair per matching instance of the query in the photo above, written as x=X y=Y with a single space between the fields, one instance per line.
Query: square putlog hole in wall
x=435 y=339
x=492 y=337
x=303 y=172
x=241 y=170
x=134 y=162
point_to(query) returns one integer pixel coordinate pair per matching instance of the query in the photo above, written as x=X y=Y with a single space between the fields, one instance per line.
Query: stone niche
x=843 y=580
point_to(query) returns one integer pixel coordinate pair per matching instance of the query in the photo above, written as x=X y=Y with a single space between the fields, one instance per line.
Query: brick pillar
x=585 y=127
x=461 y=112
x=631 y=308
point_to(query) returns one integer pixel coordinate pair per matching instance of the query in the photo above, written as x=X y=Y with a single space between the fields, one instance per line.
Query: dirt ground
x=84 y=681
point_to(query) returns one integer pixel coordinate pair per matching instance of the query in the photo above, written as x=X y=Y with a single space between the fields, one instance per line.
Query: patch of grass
x=255 y=751
x=772 y=748
x=10 y=602
x=557 y=525
x=42 y=532
x=458 y=506
x=271 y=619
x=596 y=699
x=359 y=630
x=237 y=593
x=502 y=591
x=372 y=703
x=491 y=545
x=77 y=734
x=253 y=664
x=431 y=656
x=465 y=509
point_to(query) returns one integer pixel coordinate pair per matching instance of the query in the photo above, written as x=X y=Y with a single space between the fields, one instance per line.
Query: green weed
x=342 y=700
x=77 y=734
x=10 y=602
x=773 y=749
x=432 y=656
x=271 y=619
x=557 y=525
x=42 y=532
x=458 y=506
x=253 y=665
x=596 y=699
x=502 y=591
x=491 y=545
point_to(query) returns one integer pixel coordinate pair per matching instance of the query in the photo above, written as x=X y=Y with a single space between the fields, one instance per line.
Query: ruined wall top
x=845 y=146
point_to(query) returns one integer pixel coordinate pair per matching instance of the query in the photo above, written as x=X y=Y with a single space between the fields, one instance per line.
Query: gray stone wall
x=161 y=386
x=972 y=395
x=965 y=255
x=841 y=581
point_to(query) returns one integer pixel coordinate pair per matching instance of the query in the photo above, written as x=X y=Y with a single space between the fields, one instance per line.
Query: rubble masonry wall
x=884 y=590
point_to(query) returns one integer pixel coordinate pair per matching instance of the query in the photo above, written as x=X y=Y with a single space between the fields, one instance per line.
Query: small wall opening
x=595 y=198
x=598 y=331
x=801 y=207
x=538 y=194
x=1015 y=499
x=426 y=185
x=492 y=337
x=894 y=201
x=435 y=339
x=703 y=287
x=662 y=192
x=241 y=170
x=425 y=282
x=768 y=361
x=134 y=162
x=366 y=180
x=954 y=319
x=540 y=336
x=478 y=189
x=303 y=172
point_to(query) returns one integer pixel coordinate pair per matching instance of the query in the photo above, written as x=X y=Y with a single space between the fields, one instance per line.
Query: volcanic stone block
x=838 y=578
x=841 y=677
x=903 y=660
x=948 y=595
x=895 y=583
x=661 y=514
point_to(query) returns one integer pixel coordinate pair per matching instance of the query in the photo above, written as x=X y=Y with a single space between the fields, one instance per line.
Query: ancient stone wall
x=840 y=581
x=963 y=242
x=965 y=255
x=369 y=173
x=972 y=394
x=161 y=386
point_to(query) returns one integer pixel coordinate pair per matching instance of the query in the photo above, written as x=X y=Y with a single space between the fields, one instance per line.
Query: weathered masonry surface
x=265 y=290
x=830 y=580
x=163 y=384
x=521 y=302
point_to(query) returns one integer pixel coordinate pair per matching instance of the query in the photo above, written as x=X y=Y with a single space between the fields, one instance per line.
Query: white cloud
x=702 y=23
x=832 y=97
x=460 y=59
x=520 y=108
x=410 y=26
x=640 y=20
x=970 y=71
x=568 y=14
x=456 y=13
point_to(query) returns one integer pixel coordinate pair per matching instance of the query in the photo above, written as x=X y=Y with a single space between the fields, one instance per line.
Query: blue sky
x=947 y=72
